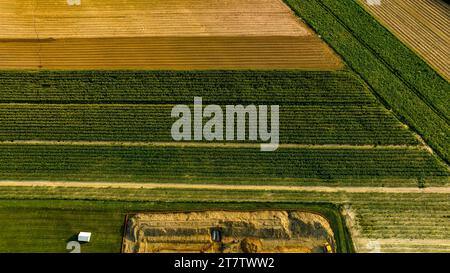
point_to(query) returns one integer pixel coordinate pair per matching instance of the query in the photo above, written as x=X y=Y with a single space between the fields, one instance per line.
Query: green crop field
x=316 y=124
x=421 y=98
x=316 y=108
x=169 y=87
x=366 y=146
x=300 y=166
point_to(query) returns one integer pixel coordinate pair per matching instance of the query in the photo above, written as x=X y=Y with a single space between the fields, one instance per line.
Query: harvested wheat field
x=156 y=34
x=228 y=232
x=422 y=24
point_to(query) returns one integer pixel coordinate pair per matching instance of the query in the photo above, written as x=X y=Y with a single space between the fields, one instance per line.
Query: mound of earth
x=226 y=231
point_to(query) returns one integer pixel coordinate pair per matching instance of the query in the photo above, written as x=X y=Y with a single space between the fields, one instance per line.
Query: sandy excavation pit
x=228 y=232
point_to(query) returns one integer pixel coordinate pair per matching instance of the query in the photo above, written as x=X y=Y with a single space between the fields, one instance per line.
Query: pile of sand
x=248 y=232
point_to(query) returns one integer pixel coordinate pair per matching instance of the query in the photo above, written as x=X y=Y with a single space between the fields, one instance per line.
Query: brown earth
x=157 y=34
x=244 y=231
x=421 y=24
x=170 y=53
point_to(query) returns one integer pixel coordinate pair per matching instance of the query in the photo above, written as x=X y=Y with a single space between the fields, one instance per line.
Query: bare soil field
x=174 y=34
x=422 y=24
x=171 y=53
x=239 y=232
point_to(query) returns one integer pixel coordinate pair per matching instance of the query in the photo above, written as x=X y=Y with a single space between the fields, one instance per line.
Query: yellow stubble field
x=156 y=34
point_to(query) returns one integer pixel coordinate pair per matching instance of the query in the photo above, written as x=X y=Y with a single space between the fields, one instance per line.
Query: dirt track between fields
x=205 y=144
x=119 y=185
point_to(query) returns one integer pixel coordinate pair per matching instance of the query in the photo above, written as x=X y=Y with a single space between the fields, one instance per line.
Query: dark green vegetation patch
x=315 y=107
x=301 y=166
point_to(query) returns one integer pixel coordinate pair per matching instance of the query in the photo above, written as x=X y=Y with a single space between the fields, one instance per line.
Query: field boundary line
x=122 y=185
x=206 y=144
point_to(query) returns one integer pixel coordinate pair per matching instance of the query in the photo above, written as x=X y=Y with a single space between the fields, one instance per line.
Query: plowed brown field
x=421 y=24
x=156 y=34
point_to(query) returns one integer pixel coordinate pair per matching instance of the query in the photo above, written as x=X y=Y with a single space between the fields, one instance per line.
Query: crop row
x=298 y=124
x=176 y=87
x=212 y=165
x=360 y=40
